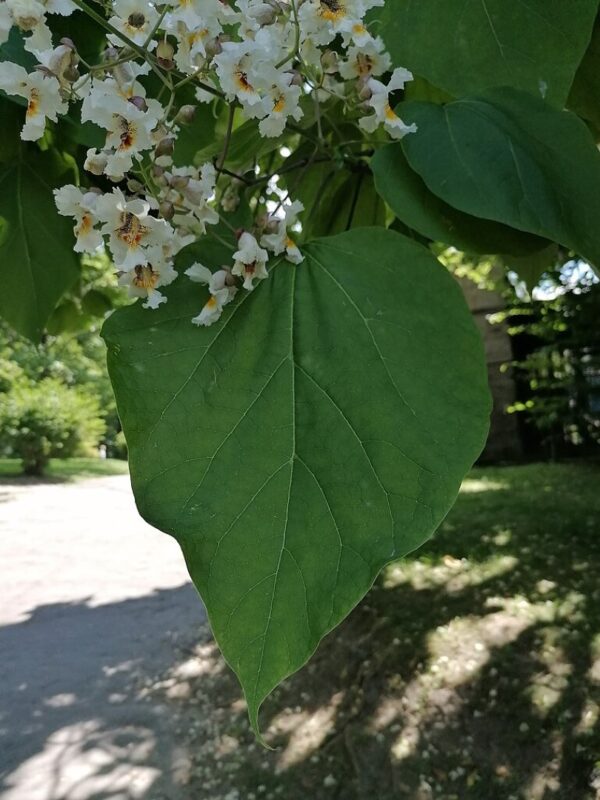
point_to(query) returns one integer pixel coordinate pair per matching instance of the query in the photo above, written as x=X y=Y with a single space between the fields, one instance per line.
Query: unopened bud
x=179 y=182
x=164 y=53
x=157 y=171
x=329 y=61
x=139 y=102
x=186 y=114
x=214 y=46
x=167 y=210
x=165 y=147
x=71 y=74
x=297 y=79
x=110 y=54
x=135 y=186
x=364 y=90
x=68 y=43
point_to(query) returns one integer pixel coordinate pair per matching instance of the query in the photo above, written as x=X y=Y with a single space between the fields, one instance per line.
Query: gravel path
x=93 y=604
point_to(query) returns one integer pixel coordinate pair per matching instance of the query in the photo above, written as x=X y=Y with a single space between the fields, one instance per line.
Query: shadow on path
x=76 y=720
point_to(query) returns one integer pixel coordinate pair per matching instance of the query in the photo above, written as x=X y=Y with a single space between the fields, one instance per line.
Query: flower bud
x=135 y=186
x=164 y=53
x=179 y=182
x=139 y=102
x=329 y=61
x=68 y=43
x=157 y=171
x=165 y=147
x=186 y=114
x=110 y=54
x=71 y=74
x=213 y=47
x=297 y=79
x=364 y=90
x=167 y=210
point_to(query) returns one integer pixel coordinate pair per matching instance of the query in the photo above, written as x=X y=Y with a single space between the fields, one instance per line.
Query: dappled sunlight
x=452 y=573
x=476 y=485
x=306 y=731
x=83 y=760
x=471 y=671
x=548 y=685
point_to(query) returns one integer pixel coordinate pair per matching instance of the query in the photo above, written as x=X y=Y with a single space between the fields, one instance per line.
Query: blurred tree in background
x=57 y=400
x=553 y=321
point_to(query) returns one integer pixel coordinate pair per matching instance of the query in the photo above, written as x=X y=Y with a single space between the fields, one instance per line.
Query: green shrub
x=47 y=419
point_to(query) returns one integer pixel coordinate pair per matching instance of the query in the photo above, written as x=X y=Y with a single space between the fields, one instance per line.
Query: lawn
x=470 y=672
x=67 y=469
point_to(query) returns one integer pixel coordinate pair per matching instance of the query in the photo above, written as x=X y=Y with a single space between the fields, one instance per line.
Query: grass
x=67 y=469
x=471 y=671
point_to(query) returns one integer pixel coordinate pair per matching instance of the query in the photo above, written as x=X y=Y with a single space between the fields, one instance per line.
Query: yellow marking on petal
x=33 y=105
x=85 y=226
x=242 y=81
x=279 y=104
x=211 y=303
x=145 y=278
x=127 y=135
x=390 y=113
x=131 y=231
x=359 y=28
x=332 y=10
x=289 y=242
x=364 y=64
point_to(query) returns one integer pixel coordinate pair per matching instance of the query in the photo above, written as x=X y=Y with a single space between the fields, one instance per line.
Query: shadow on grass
x=61 y=470
x=470 y=672
x=472 y=669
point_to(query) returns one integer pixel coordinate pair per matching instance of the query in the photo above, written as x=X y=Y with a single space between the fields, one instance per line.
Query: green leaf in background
x=464 y=46
x=585 y=92
x=318 y=431
x=414 y=204
x=11 y=122
x=37 y=262
x=510 y=157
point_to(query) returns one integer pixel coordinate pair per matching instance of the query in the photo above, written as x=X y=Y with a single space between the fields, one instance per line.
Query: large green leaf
x=409 y=198
x=507 y=156
x=318 y=431
x=463 y=46
x=37 y=262
x=584 y=98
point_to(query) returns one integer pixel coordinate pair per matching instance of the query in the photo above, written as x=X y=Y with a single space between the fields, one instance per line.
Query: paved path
x=92 y=602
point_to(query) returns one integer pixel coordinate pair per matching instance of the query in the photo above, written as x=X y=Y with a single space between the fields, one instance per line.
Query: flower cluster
x=268 y=60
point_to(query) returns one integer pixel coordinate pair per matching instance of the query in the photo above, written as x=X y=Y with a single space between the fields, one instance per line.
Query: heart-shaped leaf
x=318 y=431
x=464 y=46
x=512 y=158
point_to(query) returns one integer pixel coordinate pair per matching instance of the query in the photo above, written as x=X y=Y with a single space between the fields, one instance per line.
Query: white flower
x=280 y=241
x=250 y=261
x=380 y=102
x=72 y=202
x=6 y=21
x=130 y=228
x=365 y=61
x=143 y=281
x=135 y=19
x=42 y=93
x=281 y=102
x=30 y=17
x=129 y=120
x=221 y=288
